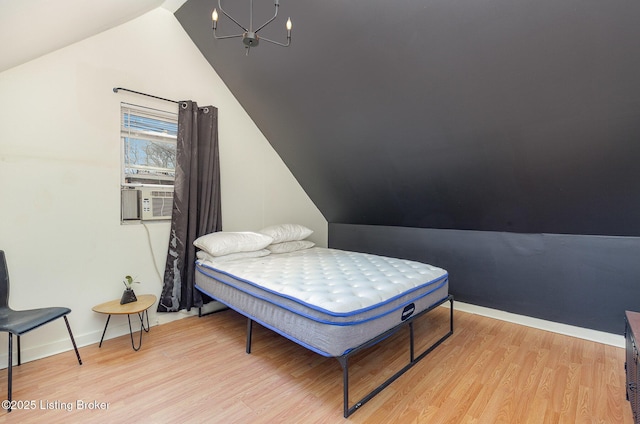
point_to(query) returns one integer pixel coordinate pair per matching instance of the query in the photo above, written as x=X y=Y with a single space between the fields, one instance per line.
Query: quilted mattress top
x=337 y=281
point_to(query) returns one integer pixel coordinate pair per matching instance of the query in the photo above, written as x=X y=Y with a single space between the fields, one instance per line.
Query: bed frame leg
x=411 y=348
x=249 y=333
x=344 y=362
x=450 y=298
x=344 y=359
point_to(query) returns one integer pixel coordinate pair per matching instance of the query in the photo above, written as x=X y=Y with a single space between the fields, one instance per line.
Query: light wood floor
x=196 y=370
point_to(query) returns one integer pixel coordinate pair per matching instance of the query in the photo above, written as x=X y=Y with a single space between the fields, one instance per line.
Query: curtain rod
x=115 y=90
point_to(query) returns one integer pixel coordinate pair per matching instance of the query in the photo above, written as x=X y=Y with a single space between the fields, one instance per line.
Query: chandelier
x=249 y=36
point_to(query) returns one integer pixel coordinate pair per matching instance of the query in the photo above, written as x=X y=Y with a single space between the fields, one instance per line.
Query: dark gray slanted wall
x=585 y=281
x=510 y=116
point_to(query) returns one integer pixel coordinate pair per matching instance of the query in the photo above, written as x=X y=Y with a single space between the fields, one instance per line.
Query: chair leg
x=72 y=340
x=10 y=370
x=10 y=361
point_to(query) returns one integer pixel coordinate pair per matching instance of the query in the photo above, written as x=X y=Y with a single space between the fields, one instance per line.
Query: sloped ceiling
x=32 y=28
x=504 y=115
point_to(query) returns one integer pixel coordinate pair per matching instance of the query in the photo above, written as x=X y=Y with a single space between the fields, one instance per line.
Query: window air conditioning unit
x=155 y=203
x=146 y=203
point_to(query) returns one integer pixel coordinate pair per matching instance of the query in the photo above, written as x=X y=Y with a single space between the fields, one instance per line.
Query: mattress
x=330 y=301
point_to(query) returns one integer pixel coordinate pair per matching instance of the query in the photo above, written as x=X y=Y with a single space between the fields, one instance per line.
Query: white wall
x=60 y=165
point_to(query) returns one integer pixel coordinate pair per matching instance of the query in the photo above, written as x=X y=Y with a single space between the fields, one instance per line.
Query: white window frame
x=147 y=195
x=162 y=176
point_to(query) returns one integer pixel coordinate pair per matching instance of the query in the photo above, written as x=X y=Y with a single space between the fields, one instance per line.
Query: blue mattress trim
x=442 y=281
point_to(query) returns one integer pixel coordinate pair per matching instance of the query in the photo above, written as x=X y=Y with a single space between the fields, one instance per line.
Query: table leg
x=141 y=315
x=105 y=330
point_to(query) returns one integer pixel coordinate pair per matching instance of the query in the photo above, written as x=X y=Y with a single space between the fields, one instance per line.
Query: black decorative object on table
x=128 y=295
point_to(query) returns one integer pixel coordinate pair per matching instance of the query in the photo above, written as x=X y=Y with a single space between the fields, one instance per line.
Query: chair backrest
x=4 y=281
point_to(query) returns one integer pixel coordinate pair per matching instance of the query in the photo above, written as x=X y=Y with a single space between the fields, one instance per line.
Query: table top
x=113 y=307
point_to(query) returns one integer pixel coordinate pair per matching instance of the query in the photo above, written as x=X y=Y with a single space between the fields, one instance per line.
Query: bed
x=331 y=301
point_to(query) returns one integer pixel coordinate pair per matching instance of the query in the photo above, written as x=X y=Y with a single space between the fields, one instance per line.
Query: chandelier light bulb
x=214 y=15
x=289 y=24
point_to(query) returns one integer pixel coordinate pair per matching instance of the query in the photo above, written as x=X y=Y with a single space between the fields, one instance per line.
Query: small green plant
x=129 y=281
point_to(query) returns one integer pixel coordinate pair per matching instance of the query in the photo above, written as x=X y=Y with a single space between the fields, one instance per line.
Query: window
x=148 y=145
x=148 y=138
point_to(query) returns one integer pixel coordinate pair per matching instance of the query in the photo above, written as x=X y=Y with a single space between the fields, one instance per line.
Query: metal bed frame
x=344 y=359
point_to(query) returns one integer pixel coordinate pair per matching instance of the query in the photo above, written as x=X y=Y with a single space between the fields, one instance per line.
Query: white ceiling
x=32 y=28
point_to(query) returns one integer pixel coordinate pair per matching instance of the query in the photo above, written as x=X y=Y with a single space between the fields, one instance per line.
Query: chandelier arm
x=226 y=36
x=269 y=21
x=229 y=16
x=275 y=42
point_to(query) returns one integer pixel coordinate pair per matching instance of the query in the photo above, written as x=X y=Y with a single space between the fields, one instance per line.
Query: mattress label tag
x=408 y=311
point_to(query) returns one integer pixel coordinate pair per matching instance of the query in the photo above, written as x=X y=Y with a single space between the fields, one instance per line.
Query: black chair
x=21 y=322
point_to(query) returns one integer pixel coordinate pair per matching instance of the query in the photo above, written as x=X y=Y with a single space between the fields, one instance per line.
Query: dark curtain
x=196 y=203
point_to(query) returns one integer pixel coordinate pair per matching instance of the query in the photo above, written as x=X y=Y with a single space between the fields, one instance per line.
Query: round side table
x=140 y=307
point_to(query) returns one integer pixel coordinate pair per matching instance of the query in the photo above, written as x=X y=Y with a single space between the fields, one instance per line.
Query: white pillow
x=204 y=256
x=226 y=242
x=290 y=246
x=287 y=232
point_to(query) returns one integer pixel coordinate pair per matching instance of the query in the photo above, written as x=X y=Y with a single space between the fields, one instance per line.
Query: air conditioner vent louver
x=156 y=193
x=161 y=206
